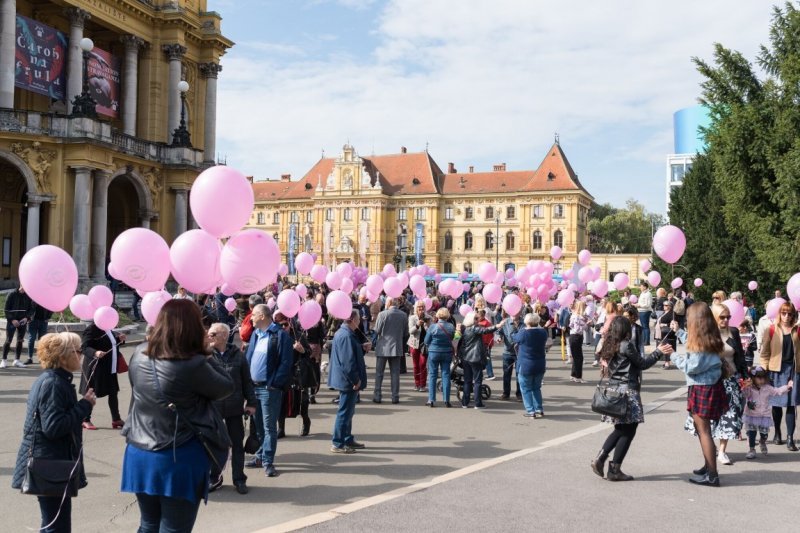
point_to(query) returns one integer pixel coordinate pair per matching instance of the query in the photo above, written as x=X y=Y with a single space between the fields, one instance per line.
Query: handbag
x=50 y=477
x=122 y=364
x=609 y=400
x=252 y=443
x=291 y=404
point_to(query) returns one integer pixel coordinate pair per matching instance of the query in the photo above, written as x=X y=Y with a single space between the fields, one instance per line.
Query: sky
x=477 y=82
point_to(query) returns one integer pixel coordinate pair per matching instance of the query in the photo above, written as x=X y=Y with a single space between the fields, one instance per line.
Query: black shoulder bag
x=609 y=400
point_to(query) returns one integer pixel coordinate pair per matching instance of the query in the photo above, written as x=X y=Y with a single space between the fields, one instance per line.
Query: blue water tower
x=686 y=127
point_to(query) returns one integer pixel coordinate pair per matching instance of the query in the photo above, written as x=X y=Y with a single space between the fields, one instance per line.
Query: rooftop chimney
x=286 y=177
x=403 y=150
x=250 y=179
x=451 y=168
x=500 y=168
x=471 y=169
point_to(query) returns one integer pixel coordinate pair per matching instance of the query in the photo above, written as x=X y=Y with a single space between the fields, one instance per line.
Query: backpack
x=680 y=307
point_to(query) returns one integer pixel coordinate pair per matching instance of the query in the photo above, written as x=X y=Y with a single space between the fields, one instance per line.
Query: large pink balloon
x=512 y=304
x=464 y=310
x=81 y=306
x=101 y=296
x=283 y=269
x=676 y=283
x=389 y=270
x=669 y=243
x=653 y=278
x=584 y=257
x=106 y=318
x=555 y=253
x=347 y=285
x=302 y=290
x=49 y=276
x=645 y=266
x=249 y=261
x=417 y=284
x=621 y=281
x=288 y=302
x=737 y=312
x=375 y=284
x=222 y=200
x=585 y=274
x=428 y=303
x=309 y=314
x=142 y=258
x=152 y=302
x=492 y=292
x=318 y=273
x=487 y=272
x=333 y=280
x=633 y=299
x=303 y=263
x=793 y=289
x=600 y=288
x=773 y=307
x=230 y=304
x=393 y=287
x=194 y=258
x=566 y=297
x=339 y=305
x=344 y=269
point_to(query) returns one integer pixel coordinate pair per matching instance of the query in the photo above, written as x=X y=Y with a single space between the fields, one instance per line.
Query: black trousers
x=10 y=331
x=51 y=507
x=620 y=441
x=473 y=377
x=235 y=427
x=576 y=347
x=777 y=417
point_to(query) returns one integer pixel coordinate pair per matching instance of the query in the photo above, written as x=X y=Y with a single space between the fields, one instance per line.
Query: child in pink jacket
x=758 y=412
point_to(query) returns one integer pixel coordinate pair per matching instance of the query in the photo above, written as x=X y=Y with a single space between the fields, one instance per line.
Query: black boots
x=702 y=471
x=599 y=463
x=790 y=444
x=615 y=474
x=306 y=428
x=778 y=440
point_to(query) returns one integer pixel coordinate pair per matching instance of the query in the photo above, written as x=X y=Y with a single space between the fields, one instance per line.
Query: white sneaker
x=18 y=363
x=3 y=363
x=723 y=458
x=751 y=454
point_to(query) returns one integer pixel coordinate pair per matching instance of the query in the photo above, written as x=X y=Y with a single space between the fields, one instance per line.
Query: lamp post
x=181 y=137
x=84 y=105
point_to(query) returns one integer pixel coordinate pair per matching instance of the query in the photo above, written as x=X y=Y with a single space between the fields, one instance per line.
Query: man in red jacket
x=246 y=329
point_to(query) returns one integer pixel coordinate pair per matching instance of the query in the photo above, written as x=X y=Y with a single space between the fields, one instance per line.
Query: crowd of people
x=204 y=370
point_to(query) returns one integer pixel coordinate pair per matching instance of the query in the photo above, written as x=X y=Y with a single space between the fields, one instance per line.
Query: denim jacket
x=701 y=368
x=507 y=333
x=439 y=337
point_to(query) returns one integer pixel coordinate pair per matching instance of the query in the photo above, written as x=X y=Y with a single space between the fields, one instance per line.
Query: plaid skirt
x=707 y=401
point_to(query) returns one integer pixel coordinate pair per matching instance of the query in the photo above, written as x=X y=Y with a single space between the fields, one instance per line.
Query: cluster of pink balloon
x=96 y=305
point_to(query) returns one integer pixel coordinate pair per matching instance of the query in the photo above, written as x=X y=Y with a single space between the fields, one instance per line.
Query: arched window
x=448 y=240
x=468 y=267
x=489 y=213
x=260 y=219
x=511 y=212
x=558 y=239
x=468 y=240
x=489 y=238
x=537 y=240
x=448 y=267
x=510 y=240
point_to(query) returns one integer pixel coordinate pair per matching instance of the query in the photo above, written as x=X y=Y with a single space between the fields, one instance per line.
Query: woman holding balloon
x=100 y=348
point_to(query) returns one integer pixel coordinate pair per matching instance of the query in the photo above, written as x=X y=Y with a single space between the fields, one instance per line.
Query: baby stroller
x=457 y=379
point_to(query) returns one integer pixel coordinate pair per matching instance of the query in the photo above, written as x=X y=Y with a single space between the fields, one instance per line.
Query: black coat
x=57 y=429
x=102 y=380
x=735 y=342
x=235 y=364
x=471 y=347
x=18 y=306
x=628 y=363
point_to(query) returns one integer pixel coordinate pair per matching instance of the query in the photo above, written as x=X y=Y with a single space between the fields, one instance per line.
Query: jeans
x=343 y=424
x=268 y=410
x=531 y=386
x=394 y=369
x=489 y=368
x=420 y=361
x=437 y=361
x=644 y=320
x=10 y=330
x=577 y=356
x=509 y=364
x=473 y=377
x=38 y=329
x=49 y=507
x=161 y=514
x=235 y=426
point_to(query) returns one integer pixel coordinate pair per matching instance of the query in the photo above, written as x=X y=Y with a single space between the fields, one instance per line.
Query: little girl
x=757 y=411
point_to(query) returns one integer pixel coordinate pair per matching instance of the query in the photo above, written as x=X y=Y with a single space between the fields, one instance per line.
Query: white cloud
x=485 y=82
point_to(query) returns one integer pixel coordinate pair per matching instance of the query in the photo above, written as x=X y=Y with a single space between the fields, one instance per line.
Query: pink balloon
x=584 y=257
x=303 y=263
x=319 y=273
x=463 y=275
x=249 y=261
x=389 y=270
x=142 y=258
x=152 y=302
x=226 y=289
x=271 y=303
x=493 y=293
x=600 y=288
x=633 y=299
x=221 y=200
x=101 y=296
x=653 y=278
x=773 y=307
x=302 y=290
x=106 y=318
x=347 y=285
x=669 y=243
x=464 y=309
x=753 y=285
x=555 y=253
x=565 y=297
x=283 y=269
x=645 y=265
x=487 y=272
x=194 y=259
x=510 y=273
x=676 y=283
x=793 y=288
x=230 y=304
x=621 y=281
x=309 y=314
x=428 y=303
x=737 y=312
x=465 y=287
x=512 y=304
x=374 y=284
x=417 y=284
x=363 y=293
x=393 y=287
x=345 y=269
x=698 y=282
x=333 y=280
x=112 y=270
x=403 y=279
x=81 y=306
x=289 y=302
x=585 y=274
x=437 y=278
x=339 y=305
x=49 y=276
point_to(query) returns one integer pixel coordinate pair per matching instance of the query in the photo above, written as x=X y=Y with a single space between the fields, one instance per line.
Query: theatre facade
x=77 y=175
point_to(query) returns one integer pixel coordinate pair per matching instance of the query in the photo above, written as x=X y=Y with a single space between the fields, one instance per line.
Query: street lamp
x=181 y=137
x=84 y=105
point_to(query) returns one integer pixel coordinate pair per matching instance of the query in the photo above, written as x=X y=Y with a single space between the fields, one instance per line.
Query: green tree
x=626 y=230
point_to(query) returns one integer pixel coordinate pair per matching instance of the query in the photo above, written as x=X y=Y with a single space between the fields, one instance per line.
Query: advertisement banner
x=418 y=243
x=103 y=72
x=292 y=246
x=40 y=59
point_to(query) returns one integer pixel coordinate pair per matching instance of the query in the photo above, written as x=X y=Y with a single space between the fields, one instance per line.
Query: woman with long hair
x=622 y=364
x=578 y=323
x=707 y=401
x=99 y=365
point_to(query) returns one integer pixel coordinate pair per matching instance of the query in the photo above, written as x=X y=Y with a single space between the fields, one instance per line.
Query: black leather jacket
x=627 y=365
x=235 y=364
x=191 y=384
x=471 y=347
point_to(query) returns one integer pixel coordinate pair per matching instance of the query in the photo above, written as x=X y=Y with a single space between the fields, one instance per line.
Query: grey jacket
x=471 y=347
x=392 y=331
x=417 y=329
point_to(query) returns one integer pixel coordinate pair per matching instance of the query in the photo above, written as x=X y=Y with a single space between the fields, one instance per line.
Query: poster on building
x=292 y=247
x=103 y=73
x=419 y=243
x=40 y=59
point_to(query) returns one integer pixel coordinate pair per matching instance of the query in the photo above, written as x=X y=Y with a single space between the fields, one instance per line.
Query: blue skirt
x=183 y=475
x=779 y=379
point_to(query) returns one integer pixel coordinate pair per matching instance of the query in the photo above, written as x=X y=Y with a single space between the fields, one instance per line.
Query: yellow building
x=374 y=210
x=77 y=180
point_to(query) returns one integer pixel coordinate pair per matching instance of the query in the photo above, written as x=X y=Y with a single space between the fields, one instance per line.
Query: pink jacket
x=761 y=399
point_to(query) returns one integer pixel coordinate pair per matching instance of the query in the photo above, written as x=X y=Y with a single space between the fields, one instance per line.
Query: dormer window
x=415 y=181
x=308 y=186
x=551 y=176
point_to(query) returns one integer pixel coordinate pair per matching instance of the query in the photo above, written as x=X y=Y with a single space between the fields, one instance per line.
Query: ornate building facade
x=75 y=179
x=381 y=209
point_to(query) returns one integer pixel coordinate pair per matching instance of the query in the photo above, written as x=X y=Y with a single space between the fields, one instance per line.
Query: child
x=748 y=341
x=757 y=411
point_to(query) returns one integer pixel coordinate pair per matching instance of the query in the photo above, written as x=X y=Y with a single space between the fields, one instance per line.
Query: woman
x=439 y=339
x=707 y=401
x=780 y=356
x=303 y=375
x=622 y=364
x=53 y=422
x=418 y=323
x=100 y=357
x=483 y=318
x=577 y=326
x=474 y=354
x=174 y=382
x=531 y=352
x=661 y=297
x=316 y=339
x=664 y=327
x=636 y=330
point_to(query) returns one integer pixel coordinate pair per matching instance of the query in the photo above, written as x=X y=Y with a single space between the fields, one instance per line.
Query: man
x=19 y=310
x=366 y=315
x=645 y=307
x=270 y=358
x=231 y=408
x=38 y=328
x=391 y=329
x=506 y=333
x=246 y=329
x=348 y=374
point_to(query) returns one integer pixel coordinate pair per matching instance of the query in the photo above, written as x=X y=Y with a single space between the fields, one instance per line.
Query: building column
x=8 y=29
x=181 y=209
x=34 y=221
x=210 y=71
x=130 y=80
x=99 y=224
x=145 y=217
x=174 y=54
x=81 y=216
x=77 y=18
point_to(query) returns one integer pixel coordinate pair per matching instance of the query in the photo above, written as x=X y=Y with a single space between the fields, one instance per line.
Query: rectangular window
x=294 y=217
x=348 y=214
x=537 y=211
x=402 y=214
x=448 y=213
x=365 y=213
x=678 y=171
x=469 y=214
x=309 y=216
x=276 y=218
x=489 y=213
x=558 y=211
x=419 y=213
x=260 y=219
x=511 y=212
x=329 y=214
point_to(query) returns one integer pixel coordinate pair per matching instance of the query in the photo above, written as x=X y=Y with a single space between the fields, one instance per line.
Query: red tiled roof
x=270 y=190
x=398 y=171
x=554 y=173
x=486 y=182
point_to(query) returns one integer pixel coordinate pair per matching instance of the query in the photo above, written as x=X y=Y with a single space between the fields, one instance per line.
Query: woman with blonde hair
x=52 y=428
x=578 y=323
x=439 y=339
x=707 y=401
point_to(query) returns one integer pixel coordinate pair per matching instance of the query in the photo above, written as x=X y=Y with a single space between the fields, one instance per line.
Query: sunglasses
x=724 y=317
x=786 y=313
